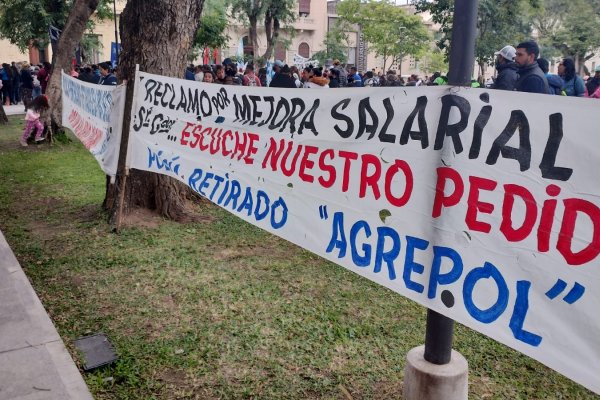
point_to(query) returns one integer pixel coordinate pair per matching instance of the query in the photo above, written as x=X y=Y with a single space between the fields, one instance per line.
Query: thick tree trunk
x=157 y=35
x=3 y=117
x=71 y=35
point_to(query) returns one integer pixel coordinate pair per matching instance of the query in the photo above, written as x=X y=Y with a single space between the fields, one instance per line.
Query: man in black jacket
x=283 y=79
x=507 y=69
x=531 y=78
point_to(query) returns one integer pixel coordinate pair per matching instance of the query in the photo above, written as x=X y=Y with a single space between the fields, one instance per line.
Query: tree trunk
x=272 y=28
x=157 y=35
x=253 y=35
x=71 y=35
x=3 y=117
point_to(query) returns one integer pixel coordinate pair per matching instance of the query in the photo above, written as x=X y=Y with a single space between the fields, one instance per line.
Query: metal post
x=116 y=31
x=440 y=329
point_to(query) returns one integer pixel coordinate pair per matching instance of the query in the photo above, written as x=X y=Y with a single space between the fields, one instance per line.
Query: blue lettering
x=517 y=320
x=338 y=237
x=388 y=256
x=365 y=259
x=410 y=265
x=443 y=279
x=491 y=314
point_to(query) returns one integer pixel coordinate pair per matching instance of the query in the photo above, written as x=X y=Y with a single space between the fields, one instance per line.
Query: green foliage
x=570 y=27
x=26 y=21
x=336 y=44
x=499 y=22
x=212 y=26
x=387 y=28
x=434 y=61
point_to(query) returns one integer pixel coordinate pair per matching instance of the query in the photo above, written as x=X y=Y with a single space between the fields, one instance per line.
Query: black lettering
x=422 y=134
x=517 y=120
x=549 y=171
x=364 y=106
x=336 y=115
x=309 y=119
x=449 y=101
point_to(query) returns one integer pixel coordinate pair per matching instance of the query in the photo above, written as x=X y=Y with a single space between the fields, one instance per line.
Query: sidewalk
x=14 y=110
x=34 y=363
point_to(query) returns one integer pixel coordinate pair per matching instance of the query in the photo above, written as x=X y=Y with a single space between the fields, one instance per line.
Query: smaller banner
x=115 y=50
x=95 y=115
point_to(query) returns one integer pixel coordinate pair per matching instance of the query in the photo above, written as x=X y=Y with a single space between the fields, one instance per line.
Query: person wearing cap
x=531 y=78
x=507 y=69
x=593 y=85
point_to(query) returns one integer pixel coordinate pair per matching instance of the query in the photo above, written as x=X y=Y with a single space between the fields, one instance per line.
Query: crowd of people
x=522 y=69
x=21 y=82
x=518 y=69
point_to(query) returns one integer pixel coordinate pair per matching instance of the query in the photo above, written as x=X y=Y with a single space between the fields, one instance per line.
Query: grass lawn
x=219 y=309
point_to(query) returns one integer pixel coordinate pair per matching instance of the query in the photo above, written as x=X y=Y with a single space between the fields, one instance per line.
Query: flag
x=206 y=56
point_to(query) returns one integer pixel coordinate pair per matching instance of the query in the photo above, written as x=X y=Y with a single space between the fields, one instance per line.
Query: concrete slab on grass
x=34 y=363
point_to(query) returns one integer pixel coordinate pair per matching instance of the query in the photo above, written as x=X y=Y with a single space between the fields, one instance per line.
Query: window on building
x=304 y=50
x=304 y=7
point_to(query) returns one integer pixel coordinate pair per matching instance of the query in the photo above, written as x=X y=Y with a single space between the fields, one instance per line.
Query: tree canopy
x=388 y=29
x=212 y=26
x=274 y=14
x=25 y=22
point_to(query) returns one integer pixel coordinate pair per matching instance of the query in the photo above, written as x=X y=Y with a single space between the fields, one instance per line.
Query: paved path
x=34 y=363
x=14 y=110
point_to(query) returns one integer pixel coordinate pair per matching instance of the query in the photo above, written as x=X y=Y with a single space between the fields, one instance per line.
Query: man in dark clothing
x=507 y=69
x=283 y=79
x=555 y=82
x=531 y=78
x=108 y=79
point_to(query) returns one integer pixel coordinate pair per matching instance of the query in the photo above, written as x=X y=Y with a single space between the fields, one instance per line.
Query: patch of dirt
x=173 y=377
x=142 y=218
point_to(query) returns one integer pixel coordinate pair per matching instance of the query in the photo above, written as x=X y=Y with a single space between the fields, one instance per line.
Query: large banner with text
x=94 y=113
x=482 y=205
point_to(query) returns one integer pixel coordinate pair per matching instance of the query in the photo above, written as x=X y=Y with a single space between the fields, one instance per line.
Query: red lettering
x=248 y=159
x=347 y=156
x=474 y=205
x=565 y=237
x=369 y=180
x=185 y=134
x=441 y=200
x=327 y=168
x=545 y=228
x=305 y=163
x=506 y=227
x=408 y=187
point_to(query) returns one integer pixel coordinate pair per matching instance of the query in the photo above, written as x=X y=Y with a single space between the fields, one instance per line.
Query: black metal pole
x=116 y=31
x=440 y=329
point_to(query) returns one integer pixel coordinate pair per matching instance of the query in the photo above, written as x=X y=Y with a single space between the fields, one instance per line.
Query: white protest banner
x=482 y=205
x=95 y=114
x=303 y=62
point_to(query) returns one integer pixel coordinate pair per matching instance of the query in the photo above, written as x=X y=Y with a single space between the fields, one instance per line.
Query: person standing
x=44 y=75
x=531 y=78
x=26 y=85
x=507 y=69
x=107 y=79
x=343 y=75
x=574 y=85
x=249 y=78
x=593 y=84
x=555 y=82
x=355 y=78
